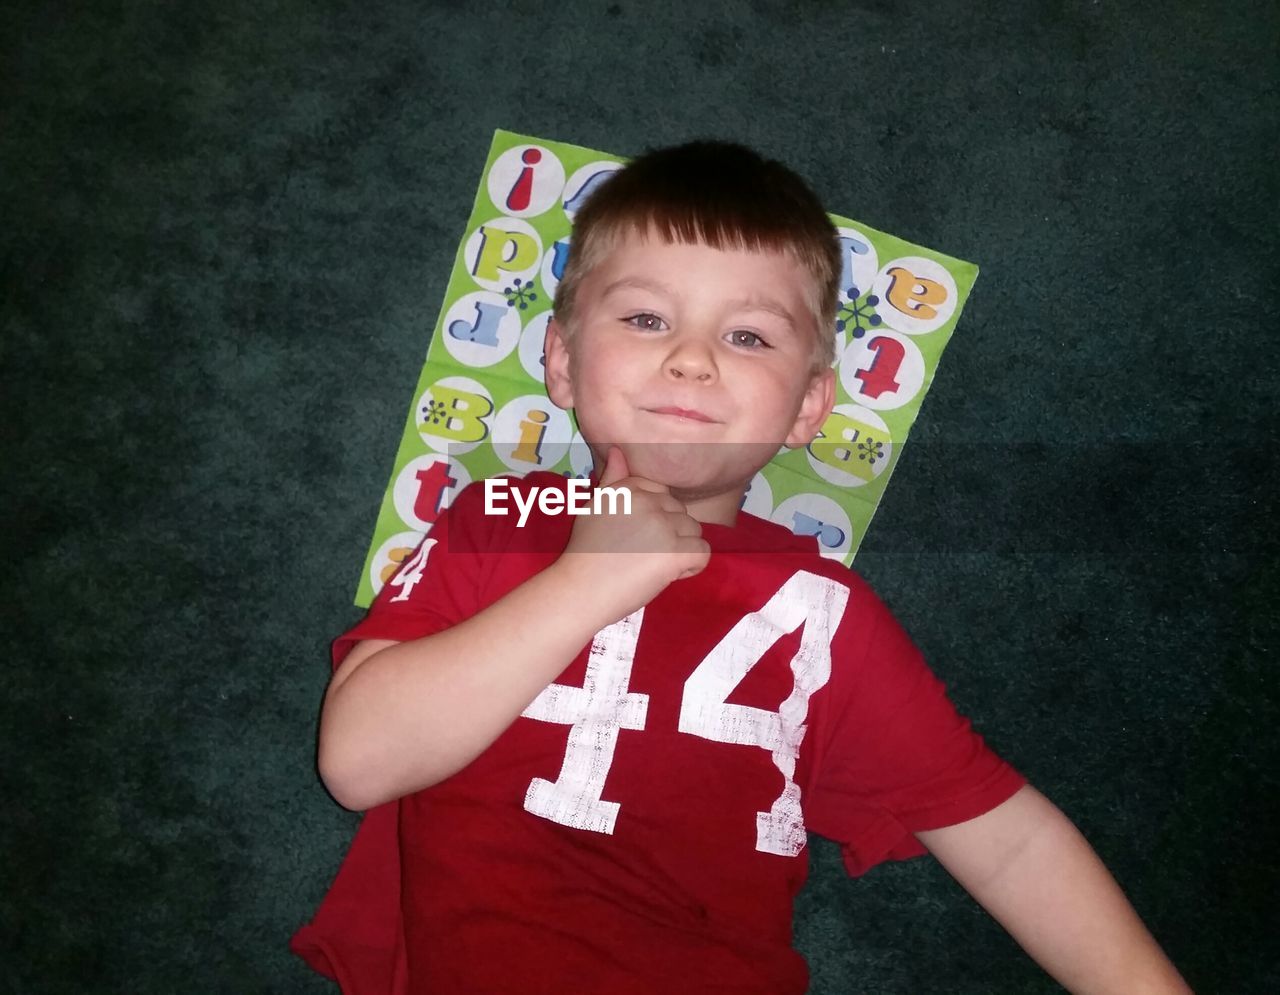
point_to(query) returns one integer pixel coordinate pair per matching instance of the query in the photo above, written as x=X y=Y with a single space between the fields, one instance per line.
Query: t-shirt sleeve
x=896 y=758
x=437 y=585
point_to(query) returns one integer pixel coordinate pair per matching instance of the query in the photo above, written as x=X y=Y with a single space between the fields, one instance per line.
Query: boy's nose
x=690 y=361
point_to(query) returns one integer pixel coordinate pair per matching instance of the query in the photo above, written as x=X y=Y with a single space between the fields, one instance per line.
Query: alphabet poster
x=479 y=408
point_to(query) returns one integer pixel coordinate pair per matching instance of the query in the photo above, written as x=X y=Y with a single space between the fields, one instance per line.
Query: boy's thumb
x=615 y=467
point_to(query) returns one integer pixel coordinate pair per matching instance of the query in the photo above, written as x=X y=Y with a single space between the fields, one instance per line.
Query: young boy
x=592 y=745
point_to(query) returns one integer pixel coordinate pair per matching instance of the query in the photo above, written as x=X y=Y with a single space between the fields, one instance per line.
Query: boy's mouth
x=689 y=414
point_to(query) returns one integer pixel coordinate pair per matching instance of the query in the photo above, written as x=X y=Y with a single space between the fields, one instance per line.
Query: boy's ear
x=555 y=364
x=818 y=401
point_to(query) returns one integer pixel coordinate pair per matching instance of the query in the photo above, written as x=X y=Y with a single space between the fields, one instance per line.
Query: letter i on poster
x=480 y=408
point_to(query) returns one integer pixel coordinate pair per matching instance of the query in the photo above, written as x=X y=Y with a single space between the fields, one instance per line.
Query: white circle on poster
x=917 y=295
x=390 y=557
x=583 y=183
x=581 y=462
x=842 y=343
x=525 y=181
x=817 y=515
x=425 y=487
x=553 y=260
x=501 y=252
x=858 y=263
x=866 y=454
x=758 y=499
x=531 y=433
x=481 y=329
x=882 y=370
x=531 y=344
x=450 y=415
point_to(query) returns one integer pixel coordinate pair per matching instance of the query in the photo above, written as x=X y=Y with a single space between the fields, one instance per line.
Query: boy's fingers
x=616 y=471
x=700 y=548
x=668 y=503
x=686 y=526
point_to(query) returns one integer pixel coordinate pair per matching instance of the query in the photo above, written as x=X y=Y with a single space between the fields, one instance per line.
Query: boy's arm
x=399 y=717
x=1027 y=864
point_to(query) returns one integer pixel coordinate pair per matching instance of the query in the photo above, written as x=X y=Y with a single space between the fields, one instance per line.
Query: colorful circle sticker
x=581 y=462
x=390 y=557
x=853 y=447
x=583 y=183
x=882 y=370
x=450 y=415
x=531 y=346
x=503 y=255
x=917 y=295
x=817 y=515
x=858 y=262
x=531 y=433
x=481 y=329
x=842 y=343
x=553 y=264
x=525 y=181
x=758 y=500
x=425 y=487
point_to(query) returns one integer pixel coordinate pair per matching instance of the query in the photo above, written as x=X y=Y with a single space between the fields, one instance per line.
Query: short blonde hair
x=716 y=194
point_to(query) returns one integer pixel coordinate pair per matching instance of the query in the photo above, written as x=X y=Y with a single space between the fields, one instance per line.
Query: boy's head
x=694 y=323
x=717 y=194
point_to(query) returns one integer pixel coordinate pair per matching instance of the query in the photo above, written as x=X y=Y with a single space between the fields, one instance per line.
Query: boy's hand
x=626 y=560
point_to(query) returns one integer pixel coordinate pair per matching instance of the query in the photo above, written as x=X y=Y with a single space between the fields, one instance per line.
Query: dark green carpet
x=226 y=230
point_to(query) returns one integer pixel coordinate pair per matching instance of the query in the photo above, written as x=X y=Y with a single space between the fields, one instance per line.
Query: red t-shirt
x=641 y=827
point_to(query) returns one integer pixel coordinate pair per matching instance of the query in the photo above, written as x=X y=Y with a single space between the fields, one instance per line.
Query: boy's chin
x=696 y=469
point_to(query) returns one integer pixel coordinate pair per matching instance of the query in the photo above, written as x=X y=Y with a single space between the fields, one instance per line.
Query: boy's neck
x=717 y=509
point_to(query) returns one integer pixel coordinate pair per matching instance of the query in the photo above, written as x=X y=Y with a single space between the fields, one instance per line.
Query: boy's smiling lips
x=684 y=414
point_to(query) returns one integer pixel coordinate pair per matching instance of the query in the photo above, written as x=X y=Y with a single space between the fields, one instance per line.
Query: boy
x=605 y=736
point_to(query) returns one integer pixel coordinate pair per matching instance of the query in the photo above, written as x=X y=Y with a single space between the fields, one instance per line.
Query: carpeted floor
x=226 y=232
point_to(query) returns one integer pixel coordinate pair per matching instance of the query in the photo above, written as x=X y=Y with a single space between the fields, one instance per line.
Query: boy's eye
x=751 y=340
x=647 y=322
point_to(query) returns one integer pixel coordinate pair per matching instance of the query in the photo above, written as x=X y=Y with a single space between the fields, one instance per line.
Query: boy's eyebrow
x=751 y=303
x=638 y=283
x=767 y=304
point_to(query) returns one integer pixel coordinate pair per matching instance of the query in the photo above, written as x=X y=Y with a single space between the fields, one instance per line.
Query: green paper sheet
x=480 y=408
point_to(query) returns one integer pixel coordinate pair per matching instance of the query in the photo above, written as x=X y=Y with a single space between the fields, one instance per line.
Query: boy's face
x=696 y=361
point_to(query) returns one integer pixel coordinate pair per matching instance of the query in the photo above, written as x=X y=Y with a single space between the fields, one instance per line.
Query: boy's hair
x=716 y=194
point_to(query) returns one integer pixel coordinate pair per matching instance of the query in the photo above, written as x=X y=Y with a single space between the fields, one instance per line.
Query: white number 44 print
x=603 y=705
